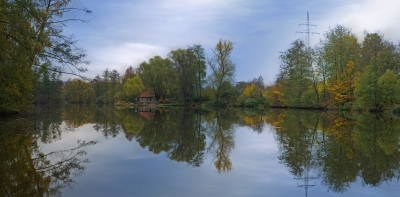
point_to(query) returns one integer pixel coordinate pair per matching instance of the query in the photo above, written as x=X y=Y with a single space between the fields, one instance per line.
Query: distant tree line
x=180 y=77
x=35 y=52
x=340 y=72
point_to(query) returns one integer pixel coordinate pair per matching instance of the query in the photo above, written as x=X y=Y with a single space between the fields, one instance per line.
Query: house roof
x=146 y=94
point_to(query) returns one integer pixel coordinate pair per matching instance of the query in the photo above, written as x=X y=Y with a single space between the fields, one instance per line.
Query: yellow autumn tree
x=249 y=90
x=274 y=95
x=343 y=87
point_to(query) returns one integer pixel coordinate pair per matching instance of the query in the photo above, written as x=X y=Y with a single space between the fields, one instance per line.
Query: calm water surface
x=80 y=150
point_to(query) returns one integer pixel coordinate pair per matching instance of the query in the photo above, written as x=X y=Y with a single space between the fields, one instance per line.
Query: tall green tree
x=31 y=39
x=223 y=69
x=133 y=87
x=322 y=74
x=189 y=65
x=115 y=85
x=366 y=91
x=380 y=53
x=377 y=94
x=108 y=85
x=200 y=68
x=296 y=73
x=389 y=89
x=340 y=46
x=158 y=75
x=183 y=62
x=97 y=84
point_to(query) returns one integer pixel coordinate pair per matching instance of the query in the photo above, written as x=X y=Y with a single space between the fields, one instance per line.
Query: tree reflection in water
x=27 y=171
x=220 y=129
x=337 y=149
x=178 y=133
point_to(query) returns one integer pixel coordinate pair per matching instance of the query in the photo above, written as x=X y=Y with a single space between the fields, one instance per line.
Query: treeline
x=34 y=53
x=180 y=78
x=340 y=72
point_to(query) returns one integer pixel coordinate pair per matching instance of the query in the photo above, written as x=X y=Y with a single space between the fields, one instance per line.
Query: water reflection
x=325 y=148
x=331 y=148
x=25 y=170
x=178 y=133
x=221 y=131
x=339 y=148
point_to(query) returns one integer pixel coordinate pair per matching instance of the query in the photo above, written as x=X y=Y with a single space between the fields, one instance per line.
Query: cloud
x=363 y=15
x=374 y=16
x=121 y=56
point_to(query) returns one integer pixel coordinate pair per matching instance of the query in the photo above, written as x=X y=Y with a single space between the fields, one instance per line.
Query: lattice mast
x=307 y=31
x=306 y=178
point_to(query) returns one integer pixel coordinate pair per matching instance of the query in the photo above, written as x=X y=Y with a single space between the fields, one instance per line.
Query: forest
x=341 y=72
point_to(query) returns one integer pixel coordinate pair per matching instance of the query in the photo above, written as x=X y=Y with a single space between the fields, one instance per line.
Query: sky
x=123 y=33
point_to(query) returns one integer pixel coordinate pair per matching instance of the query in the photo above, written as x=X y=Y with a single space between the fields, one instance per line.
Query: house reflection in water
x=147 y=113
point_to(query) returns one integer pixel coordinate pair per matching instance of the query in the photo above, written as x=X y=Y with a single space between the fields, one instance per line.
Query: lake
x=81 y=150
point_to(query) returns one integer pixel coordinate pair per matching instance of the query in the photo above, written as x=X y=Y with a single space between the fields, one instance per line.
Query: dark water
x=102 y=151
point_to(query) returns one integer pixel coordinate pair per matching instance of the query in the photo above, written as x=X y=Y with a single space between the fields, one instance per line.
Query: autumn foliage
x=339 y=73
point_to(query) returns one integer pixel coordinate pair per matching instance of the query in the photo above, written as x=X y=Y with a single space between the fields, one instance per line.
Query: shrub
x=250 y=102
x=161 y=100
x=240 y=100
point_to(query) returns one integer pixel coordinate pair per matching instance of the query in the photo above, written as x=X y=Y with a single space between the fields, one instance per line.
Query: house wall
x=147 y=99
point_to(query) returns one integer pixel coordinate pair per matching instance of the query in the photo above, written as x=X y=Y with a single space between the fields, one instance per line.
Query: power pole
x=307 y=31
x=306 y=178
x=305 y=175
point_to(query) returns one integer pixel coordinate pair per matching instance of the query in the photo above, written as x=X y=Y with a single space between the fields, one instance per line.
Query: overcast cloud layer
x=123 y=33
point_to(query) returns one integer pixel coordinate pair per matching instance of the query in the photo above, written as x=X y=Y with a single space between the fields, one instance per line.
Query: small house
x=147 y=96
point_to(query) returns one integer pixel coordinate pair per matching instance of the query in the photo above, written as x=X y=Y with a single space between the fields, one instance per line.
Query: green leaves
x=296 y=71
x=78 y=91
x=133 y=87
x=31 y=41
x=158 y=75
x=377 y=94
x=222 y=67
x=342 y=73
x=389 y=87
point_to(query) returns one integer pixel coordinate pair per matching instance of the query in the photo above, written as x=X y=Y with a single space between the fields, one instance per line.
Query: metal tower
x=307 y=31
x=306 y=178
